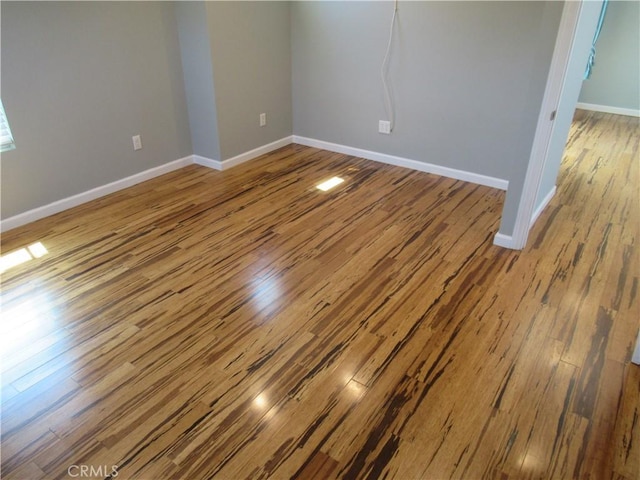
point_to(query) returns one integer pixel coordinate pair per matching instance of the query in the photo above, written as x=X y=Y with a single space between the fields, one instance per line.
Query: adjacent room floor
x=243 y=324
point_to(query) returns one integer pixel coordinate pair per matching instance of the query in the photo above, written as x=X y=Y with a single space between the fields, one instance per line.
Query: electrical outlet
x=263 y=119
x=137 y=142
x=384 y=126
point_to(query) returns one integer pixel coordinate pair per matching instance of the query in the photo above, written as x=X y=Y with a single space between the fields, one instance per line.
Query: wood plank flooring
x=243 y=324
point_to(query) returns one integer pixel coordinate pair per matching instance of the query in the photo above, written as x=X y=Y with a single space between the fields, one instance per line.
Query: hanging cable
x=388 y=103
x=592 y=54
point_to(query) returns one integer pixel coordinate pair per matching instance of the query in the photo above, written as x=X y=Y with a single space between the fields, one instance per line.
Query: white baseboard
x=543 y=205
x=243 y=157
x=75 y=200
x=256 y=152
x=505 y=241
x=405 y=162
x=207 y=162
x=630 y=112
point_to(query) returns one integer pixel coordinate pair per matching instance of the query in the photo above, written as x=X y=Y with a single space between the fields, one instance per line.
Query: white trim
x=405 y=162
x=256 y=152
x=543 y=205
x=544 y=129
x=207 y=162
x=243 y=157
x=630 y=112
x=505 y=241
x=75 y=200
x=80 y=198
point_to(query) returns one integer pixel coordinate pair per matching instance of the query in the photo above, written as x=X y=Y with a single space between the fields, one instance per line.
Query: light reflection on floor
x=25 y=321
x=329 y=184
x=260 y=401
x=23 y=255
x=266 y=293
x=27 y=312
x=34 y=343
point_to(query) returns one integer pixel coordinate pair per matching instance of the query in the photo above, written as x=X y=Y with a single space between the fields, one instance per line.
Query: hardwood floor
x=243 y=324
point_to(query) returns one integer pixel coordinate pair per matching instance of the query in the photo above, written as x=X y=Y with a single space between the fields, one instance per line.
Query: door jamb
x=544 y=129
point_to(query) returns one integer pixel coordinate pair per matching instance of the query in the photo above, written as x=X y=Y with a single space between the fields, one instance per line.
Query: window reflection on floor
x=21 y=256
x=329 y=184
x=27 y=311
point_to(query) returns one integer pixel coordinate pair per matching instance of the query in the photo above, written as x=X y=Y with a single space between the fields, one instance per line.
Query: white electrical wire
x=388 y=104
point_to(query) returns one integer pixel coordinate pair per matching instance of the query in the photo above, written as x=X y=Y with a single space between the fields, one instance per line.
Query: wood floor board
x=538 y=441
x=626 y=437
x=281 y=445
x=243 y=324
x=27 y=470
x=17 y=451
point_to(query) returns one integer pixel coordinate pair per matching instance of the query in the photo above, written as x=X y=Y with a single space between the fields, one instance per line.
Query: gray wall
x=615 y=79
x=79 y=79
x=195 y=51
x=251 y=52
x=548 y=23
x=467 y=79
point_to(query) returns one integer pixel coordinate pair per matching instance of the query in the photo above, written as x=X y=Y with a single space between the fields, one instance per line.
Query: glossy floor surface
x=243 y=324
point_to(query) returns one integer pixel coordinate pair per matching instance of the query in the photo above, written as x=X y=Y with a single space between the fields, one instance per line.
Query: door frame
x=544 y=129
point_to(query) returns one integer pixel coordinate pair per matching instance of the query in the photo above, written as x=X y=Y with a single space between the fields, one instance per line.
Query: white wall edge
x=630 y=112
x=505 y=241
x=256 y=152
x=553 y=92
x=75 y=200
x=405 y=162
x=545 y=201
x=207 y=162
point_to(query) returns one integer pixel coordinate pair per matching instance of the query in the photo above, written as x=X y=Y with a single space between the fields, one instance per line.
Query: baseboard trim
x=256 y=152
x=542 y=206
x=630 y=112
x=207 y=162
x=75 y=200
x=505 y=241
x=405 y=162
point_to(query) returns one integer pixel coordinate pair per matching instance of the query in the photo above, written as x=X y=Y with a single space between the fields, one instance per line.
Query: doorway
x=575 y=34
